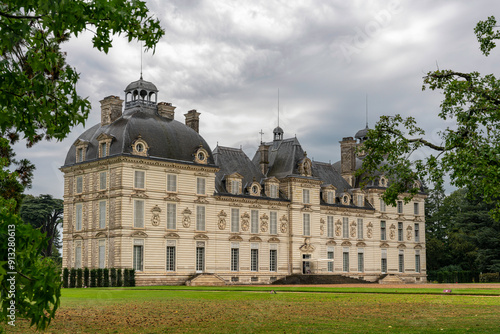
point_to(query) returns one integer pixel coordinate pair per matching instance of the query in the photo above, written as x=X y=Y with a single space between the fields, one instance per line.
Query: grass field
x=290 y=310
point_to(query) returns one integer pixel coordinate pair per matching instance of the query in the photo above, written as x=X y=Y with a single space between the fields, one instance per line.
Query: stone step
x=206 y=280
x=391 y=279
x=319 y=279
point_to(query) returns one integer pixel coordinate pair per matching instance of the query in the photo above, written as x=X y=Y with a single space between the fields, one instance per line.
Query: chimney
x=193 y=119
x=348 y=159
x=111 y=109
x=166 y=110
x=264 y=158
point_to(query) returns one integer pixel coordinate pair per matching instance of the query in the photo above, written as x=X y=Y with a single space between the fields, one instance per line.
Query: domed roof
x=141 y=84
x=165 y=138
x=278 y=130
x=361 y=134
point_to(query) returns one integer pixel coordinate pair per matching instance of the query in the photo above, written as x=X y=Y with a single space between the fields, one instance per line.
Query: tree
x=44 y=213
x=469 y=152
x=38 y=100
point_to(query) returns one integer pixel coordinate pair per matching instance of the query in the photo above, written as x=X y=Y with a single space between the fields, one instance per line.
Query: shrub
x=105 y=277
x=93 y=278
x=99 y=277
x=72 y=278
x=86 y=274
x=131 y=275
x=126 y=280
x=65 y=277
x=79 y=277
x=113 y=277
x=119 y=281
x=489 y=278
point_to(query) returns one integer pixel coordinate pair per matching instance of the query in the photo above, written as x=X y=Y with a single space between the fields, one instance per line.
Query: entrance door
x=306 y=265
x=200 y=259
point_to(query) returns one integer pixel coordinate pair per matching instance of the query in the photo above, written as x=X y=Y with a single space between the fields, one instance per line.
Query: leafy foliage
x=468 y=152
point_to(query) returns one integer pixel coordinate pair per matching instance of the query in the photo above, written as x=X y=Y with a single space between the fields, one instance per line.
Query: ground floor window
x=138 y=257
x=345 y=260
x=170 y=258
x=417 y=262
x=383 y=264
x=78 y=255
x=102 y=253
x=306 y=264
x=361 y=260
x=254 y=260
x=329 y=255
x=200 y=258
x=235 y=259
x=401 y=261
x=273 y=260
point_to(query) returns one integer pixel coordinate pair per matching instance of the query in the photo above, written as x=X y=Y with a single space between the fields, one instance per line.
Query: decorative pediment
x=328 y=187
x=384 y=216
x=384 y=245
x=401 y=246
x=307 y=208
x=273 y=239
x=172 y=170
x=171 y=235
x=104 y=136
x=346 y=243
x=101 y=194
x=200 y=237
x=235 y=238
x=235 y=175
x=201 y=200
x=78 y=198
x=101 y=235
x=139 y=194
x=77 y=236
x=186 y=211
x=171 y=197
x=80 y=142
x=139 y=234
x=331 y=242
x=360 y=244
x=255 y=206
x=255 y=239
x=418 y=219
x=272 y=179
x=306 y=246
x=418 y=246
x=235 y=204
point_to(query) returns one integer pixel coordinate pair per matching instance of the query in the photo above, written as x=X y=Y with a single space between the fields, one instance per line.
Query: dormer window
x=272 y=187
x=104 y=143
x=233 y=183
x=79 y=154
x=346 y=199
x=81 y=148
x=329 y=197
x=383 y=181
x=328 y=193
x=104 y=150
x=235 y=187
x=140 y=147
x=201 y=156
x=360 y=200
x=254 y=189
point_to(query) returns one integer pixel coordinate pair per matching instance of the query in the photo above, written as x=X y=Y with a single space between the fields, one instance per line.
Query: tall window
x=382 y=205
x=329 y=197
x=254 y=215
x=383 y=265
x=273 y=189
x=273 y=260
x=200 y=257
x=361 y=260
x=415 y=208
x=329 y=226
x=79 y=154
x=254 y=259
x=138 y=213
x=360 y=200
x=417 y=261
x=401 y=261
x=235 y=220
x=383 y=234
x=200 y=218
x=305 y=196
x=307 y=224
x=104 y=149
x=102 y=214
x=171 y=182
x=417 y=232
x=273 y=222
x=78 y=255
x=345 y=259
x=235 y=187
x=79 y=184
x=329 y=255
x=139 y=177
x=102 y=253
x=102 y=181
x=235 y=258
x=360 y=228
x=400 y=231
x=138 y=255
x=200 y=186
x=400 y=206
x=171 y=216
x=170 y=258
x=345 y=227
x=78 y=216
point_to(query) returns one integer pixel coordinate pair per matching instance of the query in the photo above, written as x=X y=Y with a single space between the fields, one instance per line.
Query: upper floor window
x=400 y=206
x=307 y=224
x=254 y=223
x=273 y=222
x=235 y=187
x=138 y=213
x=102 y=214
x=360 y=228
x=139 y=178
x=102 y=180
x=345 y=227
x=235 y=220
x=400 y=231
x=200 y=186
x=79 y=184
x=305 y=196
x=360 y=200
x=171 y=215
x=273 y=189
x=79 y=154
x=417 y=232
x=329 y=197
x=415 y=208
x=382 y=205
x=171 y=182
x=383 y=234
x=329 y=226
x=78 y=216
x=200 y=218
x=103 y=149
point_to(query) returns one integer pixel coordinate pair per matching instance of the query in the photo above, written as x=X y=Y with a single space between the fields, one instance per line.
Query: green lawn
x=254 y=310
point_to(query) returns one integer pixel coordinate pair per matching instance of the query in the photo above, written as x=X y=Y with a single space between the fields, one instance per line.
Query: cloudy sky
x=227 y=59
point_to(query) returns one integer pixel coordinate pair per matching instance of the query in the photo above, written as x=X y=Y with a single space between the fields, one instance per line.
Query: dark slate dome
x=362 y=134
x=141 y=84
x=166 y=138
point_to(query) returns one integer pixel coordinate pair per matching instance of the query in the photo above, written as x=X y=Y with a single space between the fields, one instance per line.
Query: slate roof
x=233 y=160
x=327 y=173
x=166 y=138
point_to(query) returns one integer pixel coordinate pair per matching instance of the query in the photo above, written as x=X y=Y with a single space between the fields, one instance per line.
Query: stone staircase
x=319 y=279
x=391 y=279
x=206 y=280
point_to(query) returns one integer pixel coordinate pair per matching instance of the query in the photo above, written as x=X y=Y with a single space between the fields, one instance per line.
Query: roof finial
x=366 y=110
x=261 y=133
x=278 y=107
x=142 y=45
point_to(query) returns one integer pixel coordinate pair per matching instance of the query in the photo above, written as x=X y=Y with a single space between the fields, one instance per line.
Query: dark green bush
x=99 y=277
x=489 y=278
x=131 y=275
x=105 y=277
x=65 y=277
x=79 y=278
x=112 y=275
x=119 y=280
x=93 y=278
x=72 y=278
x=86 y=274
x=126 y=279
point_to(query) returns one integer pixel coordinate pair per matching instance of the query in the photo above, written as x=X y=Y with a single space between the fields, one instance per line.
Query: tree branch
x=22 y=17
x=419 y=140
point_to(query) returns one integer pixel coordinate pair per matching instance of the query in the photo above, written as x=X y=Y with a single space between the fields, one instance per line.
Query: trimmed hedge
x=65 y=277
x=100 y=277
x=79 y=277
x=72 y=278
x=489 y=278
x=463 y=276
x=93 y=278
x=86 y=274
x=105 y=277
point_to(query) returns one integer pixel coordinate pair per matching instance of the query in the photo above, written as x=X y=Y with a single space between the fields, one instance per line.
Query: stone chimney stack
x=193 y=119
x=111 y=109
x=166 y=110
x=264 y=158
x=348 y=159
